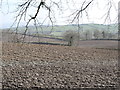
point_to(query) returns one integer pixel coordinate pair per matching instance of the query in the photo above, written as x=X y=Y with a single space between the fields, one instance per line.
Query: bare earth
x=54 y=66
x=109 y=44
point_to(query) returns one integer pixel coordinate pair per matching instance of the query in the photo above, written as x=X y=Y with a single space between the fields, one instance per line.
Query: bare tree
x=88 y=35
x=103 y=35
x=71 y=37
x=96 y=34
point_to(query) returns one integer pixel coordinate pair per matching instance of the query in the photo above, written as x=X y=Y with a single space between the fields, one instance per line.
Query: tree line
x=73 y=37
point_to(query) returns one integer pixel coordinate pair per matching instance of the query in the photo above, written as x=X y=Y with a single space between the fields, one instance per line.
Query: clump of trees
x=71 y=37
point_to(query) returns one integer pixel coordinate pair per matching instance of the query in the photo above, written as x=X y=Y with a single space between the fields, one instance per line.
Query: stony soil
x=47 y=66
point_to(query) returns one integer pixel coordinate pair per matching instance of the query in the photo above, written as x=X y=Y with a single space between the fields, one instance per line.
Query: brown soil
x=110 y=44
x=48 y=66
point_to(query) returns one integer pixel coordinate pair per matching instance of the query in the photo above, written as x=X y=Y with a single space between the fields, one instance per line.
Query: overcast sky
x=95 y=12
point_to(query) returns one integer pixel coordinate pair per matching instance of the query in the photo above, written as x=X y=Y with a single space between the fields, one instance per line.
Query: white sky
x=96 y=10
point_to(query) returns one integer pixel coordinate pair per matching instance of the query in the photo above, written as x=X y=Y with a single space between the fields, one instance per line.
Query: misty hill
x=58 y=30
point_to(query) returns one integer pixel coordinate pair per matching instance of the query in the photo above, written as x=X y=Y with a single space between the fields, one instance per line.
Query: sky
x=96 y=13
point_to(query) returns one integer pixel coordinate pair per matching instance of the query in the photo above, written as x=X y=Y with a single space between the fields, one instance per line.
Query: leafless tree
x=103 y=35
x=71 y=37
x=96 y=34
x=49 y=5
x=88 y=35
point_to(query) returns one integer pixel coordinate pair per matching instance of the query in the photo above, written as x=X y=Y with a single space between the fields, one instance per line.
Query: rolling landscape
x=58 y=30
x=59 y=45
x=46 y=60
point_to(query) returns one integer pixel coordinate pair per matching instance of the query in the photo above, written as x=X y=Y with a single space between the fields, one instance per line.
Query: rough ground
x=48 y=66
x=109 y=44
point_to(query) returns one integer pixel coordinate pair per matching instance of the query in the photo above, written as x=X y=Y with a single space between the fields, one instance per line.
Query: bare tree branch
x=81 y=10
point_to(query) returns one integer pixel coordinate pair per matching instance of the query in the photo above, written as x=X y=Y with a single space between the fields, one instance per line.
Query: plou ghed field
x=50 y=66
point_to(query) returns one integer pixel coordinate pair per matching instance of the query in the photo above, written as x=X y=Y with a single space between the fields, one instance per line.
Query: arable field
x=54 y=66
x=103 y=44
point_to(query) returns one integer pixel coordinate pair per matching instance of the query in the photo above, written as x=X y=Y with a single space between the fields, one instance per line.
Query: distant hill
x=58 y=30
